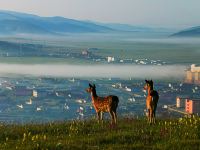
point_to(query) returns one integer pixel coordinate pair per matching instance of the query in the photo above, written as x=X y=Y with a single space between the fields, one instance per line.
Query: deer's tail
x=115 y=102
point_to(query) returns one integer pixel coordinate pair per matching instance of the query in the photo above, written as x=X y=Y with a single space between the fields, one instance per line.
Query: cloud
x=119 y=71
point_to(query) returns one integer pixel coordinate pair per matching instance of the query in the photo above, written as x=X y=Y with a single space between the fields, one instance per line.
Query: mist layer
x=118 y=71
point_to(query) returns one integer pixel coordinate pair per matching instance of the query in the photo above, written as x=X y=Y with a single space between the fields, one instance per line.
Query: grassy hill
x=130 y=133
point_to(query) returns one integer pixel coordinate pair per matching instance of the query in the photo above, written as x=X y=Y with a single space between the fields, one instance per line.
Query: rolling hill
x=21 y=23
x=12 y=23
x=191 y=32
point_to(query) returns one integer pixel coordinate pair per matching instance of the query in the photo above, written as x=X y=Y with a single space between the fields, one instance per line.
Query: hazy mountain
x=126 y=27
x=21 y=23
x=191 y=32
x=134 y=28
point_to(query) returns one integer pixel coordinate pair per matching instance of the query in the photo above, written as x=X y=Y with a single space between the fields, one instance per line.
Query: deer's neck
x=94 y=95
x=149 y=90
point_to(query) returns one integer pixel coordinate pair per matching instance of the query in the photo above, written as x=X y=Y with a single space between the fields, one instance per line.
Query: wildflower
x=38 y=145
x=33 y=138
x=36 y=137
x=165 y=122
x=24 y=137
x=29 y=134
x=45 y=137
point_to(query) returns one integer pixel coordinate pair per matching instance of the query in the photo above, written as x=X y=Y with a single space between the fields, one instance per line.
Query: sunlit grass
x=130 y=133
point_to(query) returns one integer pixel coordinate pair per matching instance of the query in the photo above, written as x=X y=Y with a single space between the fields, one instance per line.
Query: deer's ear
x=146 y=81
x=90 y=85
x=94 y=85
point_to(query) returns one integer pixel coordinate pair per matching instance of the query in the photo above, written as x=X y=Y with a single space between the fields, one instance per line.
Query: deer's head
x=91 y=89
x=148 y=85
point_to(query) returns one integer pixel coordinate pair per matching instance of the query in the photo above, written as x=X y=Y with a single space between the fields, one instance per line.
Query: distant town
x=30 y=99
x=189 y=104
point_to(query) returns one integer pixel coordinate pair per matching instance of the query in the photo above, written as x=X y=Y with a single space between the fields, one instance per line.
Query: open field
x=130 y=133
x=121 y=46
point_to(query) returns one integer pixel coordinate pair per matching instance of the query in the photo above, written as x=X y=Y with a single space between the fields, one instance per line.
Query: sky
x=159 y=13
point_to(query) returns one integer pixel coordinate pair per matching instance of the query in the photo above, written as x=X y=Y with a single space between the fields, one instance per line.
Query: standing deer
x=104 y=104
x=151 y=100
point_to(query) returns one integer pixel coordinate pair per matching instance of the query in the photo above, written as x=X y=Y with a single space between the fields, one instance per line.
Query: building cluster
x=190 y=105
x=24 y=91
x=193 y=74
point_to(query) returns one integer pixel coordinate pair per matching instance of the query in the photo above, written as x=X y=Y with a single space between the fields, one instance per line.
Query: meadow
x=130 y=133
x=121 y=46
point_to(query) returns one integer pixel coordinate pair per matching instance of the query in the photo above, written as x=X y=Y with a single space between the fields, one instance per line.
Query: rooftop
x=194 y=68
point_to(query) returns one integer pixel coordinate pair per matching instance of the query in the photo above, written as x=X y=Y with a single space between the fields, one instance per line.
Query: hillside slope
x=130 y=133
x=21 y=23
x=191 y=32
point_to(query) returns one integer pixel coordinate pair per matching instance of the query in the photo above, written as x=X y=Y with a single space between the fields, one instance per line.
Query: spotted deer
x=151 y=100
x=104 y=104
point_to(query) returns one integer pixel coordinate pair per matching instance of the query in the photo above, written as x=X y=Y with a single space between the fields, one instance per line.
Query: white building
x=35 y=94
x=193 y=74
x=110 y=59
x=180 y=102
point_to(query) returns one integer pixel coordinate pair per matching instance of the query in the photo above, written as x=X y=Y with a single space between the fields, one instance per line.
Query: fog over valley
x=119 y=71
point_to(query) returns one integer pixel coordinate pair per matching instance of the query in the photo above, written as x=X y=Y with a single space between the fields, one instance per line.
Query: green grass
x=130 y=133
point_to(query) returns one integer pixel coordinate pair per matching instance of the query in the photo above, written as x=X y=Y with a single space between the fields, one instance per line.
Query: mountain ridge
x=189 y=32
x=22 y=23
x=12 y=23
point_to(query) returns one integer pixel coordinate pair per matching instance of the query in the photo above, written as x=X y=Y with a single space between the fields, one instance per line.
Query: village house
x=110 y=59
x=193 y=74
x=192 y=106
x=180 y=102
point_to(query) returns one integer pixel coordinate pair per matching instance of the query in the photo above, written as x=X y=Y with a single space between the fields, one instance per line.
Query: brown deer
x=104 y=104
x=151 y=101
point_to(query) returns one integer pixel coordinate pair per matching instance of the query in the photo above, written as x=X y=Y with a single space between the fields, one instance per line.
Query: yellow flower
x=24 y=137
x=45 y=137
x=33 y=138
x=29 y=133
x=165 y=122
x=36 y=137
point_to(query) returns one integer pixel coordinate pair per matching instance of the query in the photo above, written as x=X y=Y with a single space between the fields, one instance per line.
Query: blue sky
x=161 y=13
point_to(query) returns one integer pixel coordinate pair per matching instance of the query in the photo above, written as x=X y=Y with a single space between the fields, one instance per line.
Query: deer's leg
x=115 y=116
x=149 y=115
x=101 y=114
x=112 y=116
x=98 y=116
x=154 y=116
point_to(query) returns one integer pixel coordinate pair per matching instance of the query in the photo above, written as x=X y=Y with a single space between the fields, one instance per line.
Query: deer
x=104 y=104
x=151 y=101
